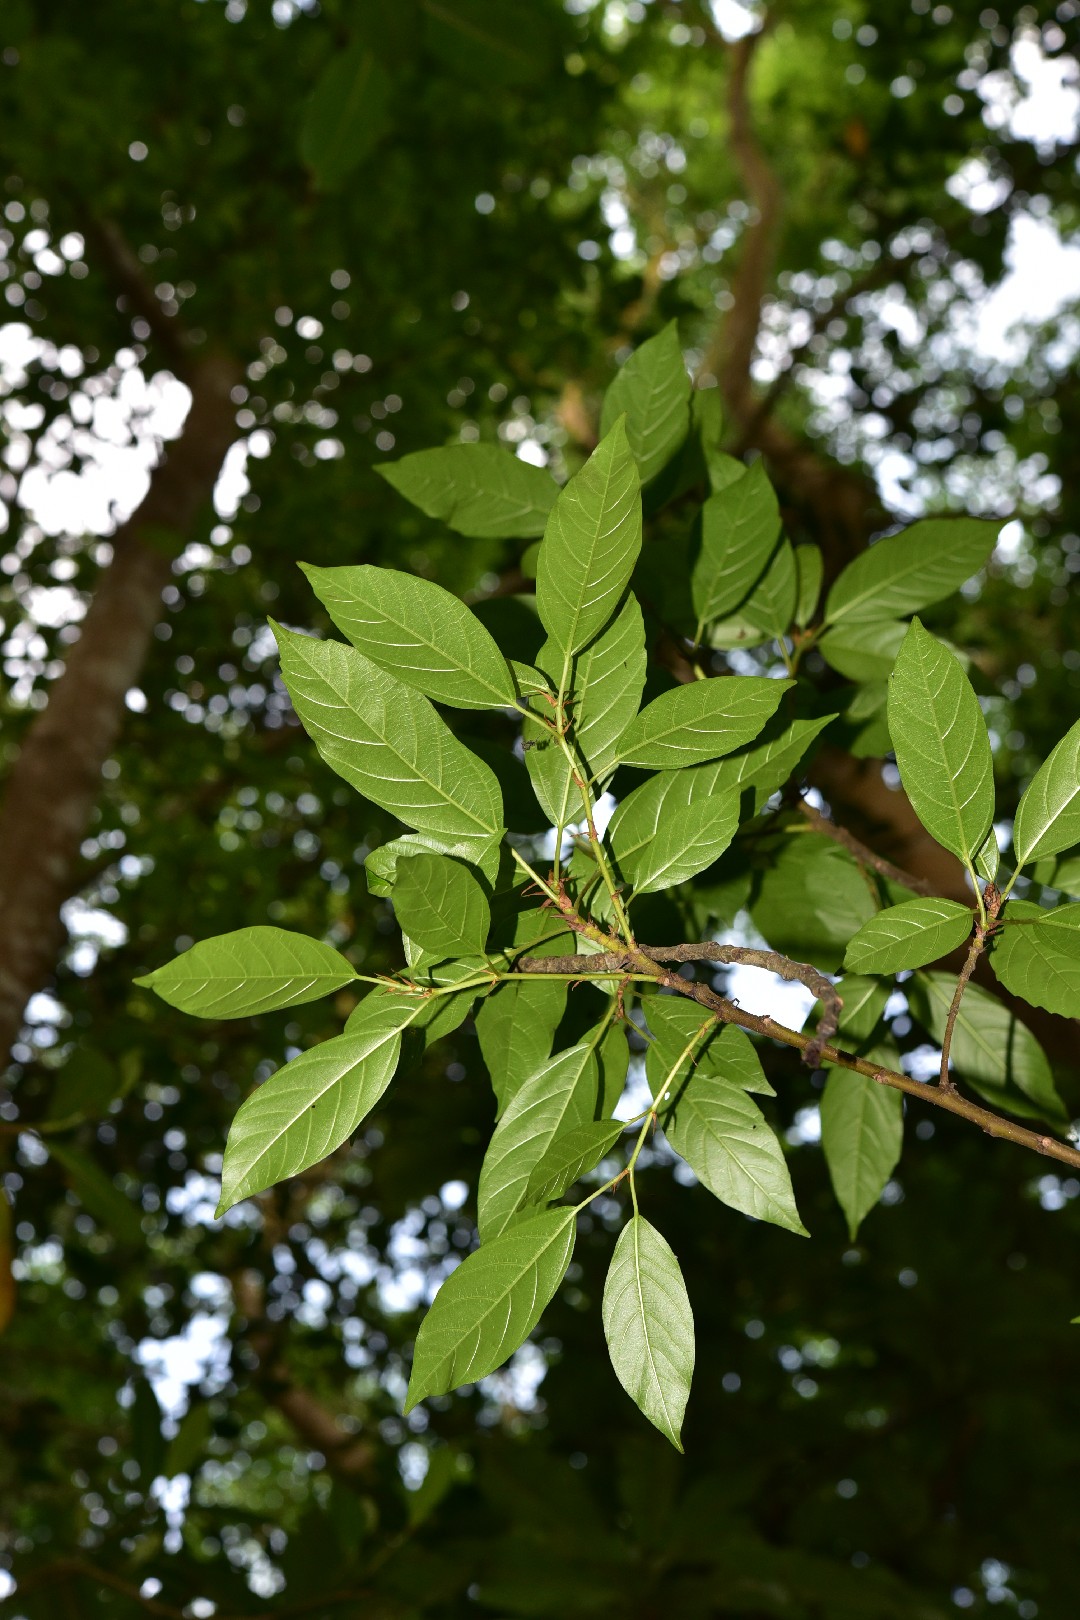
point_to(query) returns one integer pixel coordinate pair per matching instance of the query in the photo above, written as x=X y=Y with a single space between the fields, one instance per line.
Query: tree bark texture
x=54 y=783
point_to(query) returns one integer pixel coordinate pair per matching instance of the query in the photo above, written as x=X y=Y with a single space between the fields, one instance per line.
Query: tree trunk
x=53 y=785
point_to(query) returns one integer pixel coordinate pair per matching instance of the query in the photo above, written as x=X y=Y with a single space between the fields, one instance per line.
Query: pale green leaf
x=700 y=721
x=345 y=116
x=941 y=744
x=862 y=1133
x=382 y=865
x=252 y=970
x=725 y=1139
x=649 y=1326
x=908 y=936
x=419 y=632
x=606 y=682
x=1037 y=955
x=722 y=1050
x=571 y=1155
x=1048 y=815
x=478 y=490
x=590 y=545
x=1065 y=874
x=908 y=571
x=722 y=468
x=652 y=389
x=559 y=1095
x=314 y=1104
x=991 y=1049
x=863 y=649
x=740 y=526
x=988 y=857
x=686 y=842
x=388 y=742
x=441 y=906
x=488 y=1307
x=809 y=571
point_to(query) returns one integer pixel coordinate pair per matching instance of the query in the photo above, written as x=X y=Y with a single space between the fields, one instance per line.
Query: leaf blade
x=692 y=724
x=441 y=906
x=908 y=571
x=477 y=490
x=1048 y=815
x=862 y=1131
x=249 y=971
x=652 y=390
x=908 y=936
x=1039 y=956
x=740 y=527
x=649 y=1326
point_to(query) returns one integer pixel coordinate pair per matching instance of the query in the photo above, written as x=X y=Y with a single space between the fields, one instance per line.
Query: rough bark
x=52 y=787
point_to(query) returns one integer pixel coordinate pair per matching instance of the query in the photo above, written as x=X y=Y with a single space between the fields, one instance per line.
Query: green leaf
x=490 y=43
x=590 y=546
x=768 y=763
x=908 y=571
x=606 y=683
x=941 y=744
x=908 y=936
x=558 y=1096
x=187 y=1448
x=252 y=970
x=515 y=1028
x=769 y=610
x=613 y=1058
x=722 y=468
x=1048 y=815
x=649 y=1326
x=863 y=649
x=864 y=1002
x=701 y=721
x=417 y=631
x=441 y=906
x=724 y=1138
x=346 y=115
x=809 y=899
x=652 y=390
x=382 y=865
x=569 y=1156
x=740 y=526
x=862 y=1133
x=388 y=742
x=723 y=1051
x=490 y=1304
x=314 y=1104
x=99 y=1195
x=1065 y=874
x=991 y=1049
x=85 y=1087
x=475 y=489
x=809 y=571
x=988 y=858
x=1037 y=955
x=686 y=842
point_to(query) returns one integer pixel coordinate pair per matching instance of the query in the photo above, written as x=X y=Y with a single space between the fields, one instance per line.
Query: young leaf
x=515 y=1028
x=941 y=744
x=649 y=1326
x=908 y=571
x=419 y=632
x=725 y=1051
x=862 y=1133
x=740 y=526
x=388 y=742
x=252 y=970
x=478 y=490
x=724 y=1138
x=652 y=390
x=569 y=1156
x=686 y=843
x=490 y=1304
x=560 y=1095
x=312 y=1105
x=863 y=649
x=441 y=906
x=988 y=858
x=908 y=936
x=703 y=721
x=991 y=1049
x=605 y=687
x=345 y=115
x=809 y=570
x=1037 y=955
x=1048 y=815
x=590 y=545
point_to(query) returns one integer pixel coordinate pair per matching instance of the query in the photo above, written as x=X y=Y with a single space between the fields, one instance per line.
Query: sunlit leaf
x=649 y=1326
x=251 y=970
x=908 y=936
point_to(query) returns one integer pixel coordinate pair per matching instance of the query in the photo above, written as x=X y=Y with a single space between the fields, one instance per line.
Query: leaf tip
x=145 y=981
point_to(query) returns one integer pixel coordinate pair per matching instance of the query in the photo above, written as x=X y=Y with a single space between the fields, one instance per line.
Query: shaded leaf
x=1048 y=815
x=569 y=1156
x=863 y=649
x=649 y=1326
x=740 y=526
x=100 y=1197
x=810 y=898
x=441 y=906
x=908 y=571
x=1037 y=955
x=251 y=970
x=478 y=490
x=346 y=115
x=941 y=743
x=908 y=936
x=809 y=571
x=991 y=1049
x=490 y=42
x=862 y=1133
x=723 y=1051
x=652 y=390
x=685 y=843
x=490 y=1304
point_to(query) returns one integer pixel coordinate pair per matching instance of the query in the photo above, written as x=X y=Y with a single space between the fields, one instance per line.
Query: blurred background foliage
x=435 y=220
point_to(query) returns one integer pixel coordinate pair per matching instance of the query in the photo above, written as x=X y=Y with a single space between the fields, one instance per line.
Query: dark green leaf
x=810 y=898
x=649 y=1326
x=862 y=1133
x=100 y=1196
x=346 y=115
x=740 y=526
